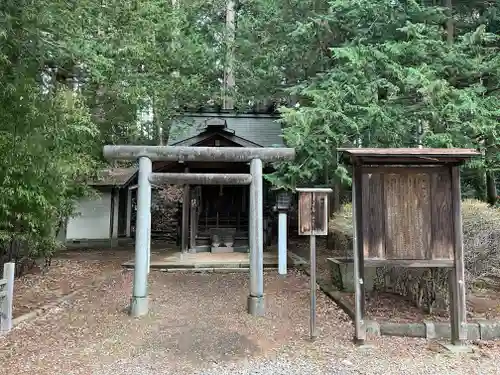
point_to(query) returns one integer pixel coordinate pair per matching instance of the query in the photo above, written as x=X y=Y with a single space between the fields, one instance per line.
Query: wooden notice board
x=407 y=213
x=313 y=211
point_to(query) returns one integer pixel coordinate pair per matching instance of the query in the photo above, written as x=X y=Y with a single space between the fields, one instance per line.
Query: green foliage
x=45 y=150
x=74 y=77
x=342 y=220
x=133 y=55
x=47 y=138
x=278 y=46
x=392 y=72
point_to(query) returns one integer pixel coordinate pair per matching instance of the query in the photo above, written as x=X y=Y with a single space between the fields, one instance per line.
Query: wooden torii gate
x=146 y=154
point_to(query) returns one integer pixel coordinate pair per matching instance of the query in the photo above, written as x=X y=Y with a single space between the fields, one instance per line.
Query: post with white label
x=283 y=200
x=313 y=221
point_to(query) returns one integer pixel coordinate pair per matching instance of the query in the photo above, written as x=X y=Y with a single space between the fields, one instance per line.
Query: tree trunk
x=157 y=121
x=491 y=188
x=450 y=28
x=229 y=65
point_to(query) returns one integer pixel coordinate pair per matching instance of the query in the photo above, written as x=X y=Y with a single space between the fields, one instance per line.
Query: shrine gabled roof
x=253 y=129
x=408 y=155
x=113 y=177
x=207 y=134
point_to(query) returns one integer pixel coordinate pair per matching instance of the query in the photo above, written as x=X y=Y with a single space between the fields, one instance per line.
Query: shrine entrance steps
x=170 y=260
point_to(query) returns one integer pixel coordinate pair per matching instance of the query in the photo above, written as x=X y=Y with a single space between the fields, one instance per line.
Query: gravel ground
x=198 y=325
x=68 y=271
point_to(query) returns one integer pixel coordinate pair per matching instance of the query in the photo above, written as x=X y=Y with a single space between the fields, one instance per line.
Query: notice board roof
x=408 y=155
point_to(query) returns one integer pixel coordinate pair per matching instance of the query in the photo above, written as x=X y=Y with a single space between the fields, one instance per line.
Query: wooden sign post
x=407 y=213
x=313 y=221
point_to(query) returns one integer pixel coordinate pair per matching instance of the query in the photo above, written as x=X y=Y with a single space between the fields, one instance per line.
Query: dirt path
x=198 y=325
x=68 y=272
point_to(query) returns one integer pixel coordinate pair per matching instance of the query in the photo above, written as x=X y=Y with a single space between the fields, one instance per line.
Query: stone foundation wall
x=427 y=288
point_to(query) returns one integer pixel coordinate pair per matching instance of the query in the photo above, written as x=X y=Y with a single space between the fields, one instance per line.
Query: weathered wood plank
x=441 y=215
x=305 y=212
x=373 y=215
x=402 y=169
x=411 y=263
x=413 y=156
x=408 y=234
x=313 y=211
x=193 y=221
x=185 y=217
x=391 y=198
x=421 y=189
x=320 y=214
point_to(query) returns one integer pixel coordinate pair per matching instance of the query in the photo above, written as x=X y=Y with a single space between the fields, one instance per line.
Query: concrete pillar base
x=458 y=349
x=138 y=306
x=256 y=306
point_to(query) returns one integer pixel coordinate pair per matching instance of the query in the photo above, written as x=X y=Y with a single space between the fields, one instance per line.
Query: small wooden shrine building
x=206 y=209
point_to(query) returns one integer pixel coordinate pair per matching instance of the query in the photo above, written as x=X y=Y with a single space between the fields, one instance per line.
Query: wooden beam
x=410 y=263
x=450 y=26
x=201 y=178
x=228 y=100
x=129 y=213
x=458 y=308
x=210 y=154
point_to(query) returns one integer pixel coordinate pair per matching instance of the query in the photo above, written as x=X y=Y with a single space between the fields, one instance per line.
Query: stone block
x=403 y=329
x=442 y=330
x=222 y=249
x=430 y=332
x=222 y=240
x=473 y=331
x=342 y=273
x=372 y=328
x=457 y=349
x=490 y=330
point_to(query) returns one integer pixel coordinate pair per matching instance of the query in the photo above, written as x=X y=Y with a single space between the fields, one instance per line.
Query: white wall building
x=105 y=218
